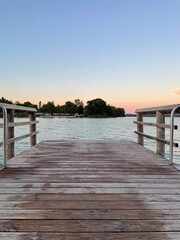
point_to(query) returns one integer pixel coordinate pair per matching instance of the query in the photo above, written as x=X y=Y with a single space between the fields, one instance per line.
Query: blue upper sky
x=125 y=51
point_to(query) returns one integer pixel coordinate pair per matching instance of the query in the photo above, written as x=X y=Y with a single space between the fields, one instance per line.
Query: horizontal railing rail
x=160 y=112
x=8 y=125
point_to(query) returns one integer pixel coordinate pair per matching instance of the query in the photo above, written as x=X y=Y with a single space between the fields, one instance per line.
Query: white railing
x=8 y=125
x=160 y=113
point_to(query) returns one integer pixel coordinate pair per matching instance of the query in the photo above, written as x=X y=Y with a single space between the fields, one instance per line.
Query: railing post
x=160 y=133
x=172 y=134
x=10 y=133
x=32 y=117
x=140 y=129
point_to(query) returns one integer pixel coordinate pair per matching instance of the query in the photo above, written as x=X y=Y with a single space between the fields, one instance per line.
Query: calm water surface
x=91 y=129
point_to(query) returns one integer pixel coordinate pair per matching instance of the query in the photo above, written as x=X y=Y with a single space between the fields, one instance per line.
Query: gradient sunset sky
x=126 y=52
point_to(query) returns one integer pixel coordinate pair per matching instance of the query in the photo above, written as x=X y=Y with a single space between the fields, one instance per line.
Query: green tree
x=95 y=107
x=115 y=112
x=79 y=106
x=4 y=100
x=70 y=107
x=120 y=112
x=29 y=104
x=110 y=111
x=48 y=108
x=98 y=108
x=62 y=109
x=58 y=109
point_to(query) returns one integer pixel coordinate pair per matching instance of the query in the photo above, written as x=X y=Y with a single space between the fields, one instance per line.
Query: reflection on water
x=91 y=129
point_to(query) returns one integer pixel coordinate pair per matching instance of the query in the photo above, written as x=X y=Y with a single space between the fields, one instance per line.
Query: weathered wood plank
x=15 y=124
x=12 y=140
x=156 y=138
x=90 y=197
x=89 y=226
x=102 y=205
x=87 y=179
x=91 y=236
x=91 y=190
x=99 y=175
x=90 y=185
x=101 y=214
x=161 y=125
x=86 y=190
x=89 y=170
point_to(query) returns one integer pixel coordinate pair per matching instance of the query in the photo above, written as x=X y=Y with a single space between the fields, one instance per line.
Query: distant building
x=76 y=115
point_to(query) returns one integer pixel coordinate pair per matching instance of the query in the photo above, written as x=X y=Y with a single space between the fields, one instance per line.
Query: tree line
x=94 y=108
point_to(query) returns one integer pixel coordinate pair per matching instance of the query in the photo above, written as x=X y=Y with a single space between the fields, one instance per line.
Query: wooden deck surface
x=89 y=190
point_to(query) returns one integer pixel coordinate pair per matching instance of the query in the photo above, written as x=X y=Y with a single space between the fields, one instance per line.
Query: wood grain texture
x=89 y=190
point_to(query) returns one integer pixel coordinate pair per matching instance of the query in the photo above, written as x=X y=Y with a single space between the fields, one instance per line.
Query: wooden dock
x=89 y=190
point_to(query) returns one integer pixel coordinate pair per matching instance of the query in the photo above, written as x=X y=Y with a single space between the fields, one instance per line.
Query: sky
x=126 y=52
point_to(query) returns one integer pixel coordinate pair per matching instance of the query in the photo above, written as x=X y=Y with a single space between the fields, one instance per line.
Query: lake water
x=91 y=129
